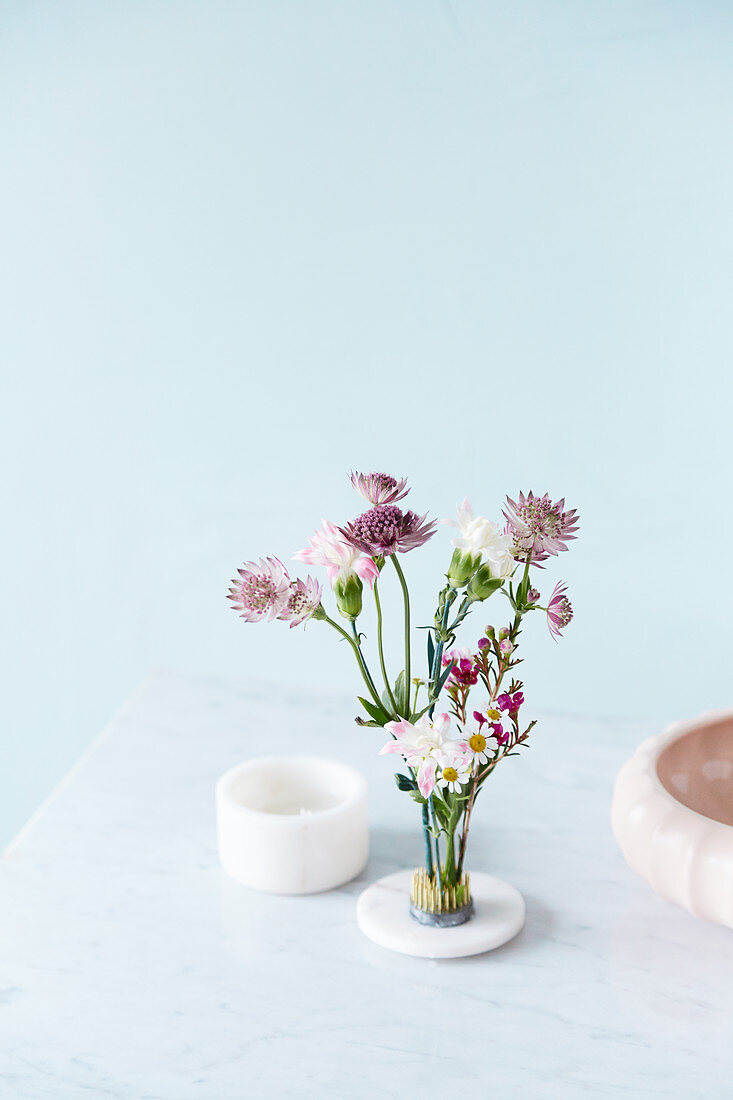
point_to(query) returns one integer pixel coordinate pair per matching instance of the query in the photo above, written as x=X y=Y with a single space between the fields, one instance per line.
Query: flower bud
x=348 y=595
x=533 y=595
x=490 y=633
x=503 y=633
x=506 y=647
x=462 y=567
x=483 y=584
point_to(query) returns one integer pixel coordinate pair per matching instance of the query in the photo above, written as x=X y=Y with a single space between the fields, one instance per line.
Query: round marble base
x=383 y=914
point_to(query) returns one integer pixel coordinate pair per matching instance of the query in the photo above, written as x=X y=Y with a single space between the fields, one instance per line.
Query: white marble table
x=132 y=968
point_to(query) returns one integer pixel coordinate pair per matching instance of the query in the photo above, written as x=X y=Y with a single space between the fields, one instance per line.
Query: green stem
x=406 y=598
x=426 y=835
x=362 y=662
x=380 y=647
x=359 y=658
x=438 y=658
x=450 y=859
x=479 y=777
x=437 y=831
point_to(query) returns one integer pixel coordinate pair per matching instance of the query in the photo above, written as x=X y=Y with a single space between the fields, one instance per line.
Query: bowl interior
x=292 y=786
x=697 y=769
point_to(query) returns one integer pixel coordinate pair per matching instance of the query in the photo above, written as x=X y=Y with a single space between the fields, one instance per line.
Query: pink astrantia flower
x=380 y=488
x=386 y=530
x=559 y=611
x=261 y=590
x=539 y=527
x=304 y=598
x=426 y=745
x=329 y=548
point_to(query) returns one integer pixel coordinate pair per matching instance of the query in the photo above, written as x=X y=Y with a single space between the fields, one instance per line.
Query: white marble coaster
x=383 y=914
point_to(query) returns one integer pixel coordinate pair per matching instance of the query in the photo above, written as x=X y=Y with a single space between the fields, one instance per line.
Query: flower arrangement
x=454 y=724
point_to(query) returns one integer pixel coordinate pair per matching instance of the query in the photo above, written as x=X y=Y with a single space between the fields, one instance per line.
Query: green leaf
x=441 y=680
x=405 y=782
x=431 y=653
x=418 y=797
x=419 y=713
x=402 y=694
x=441 y=811
x=379 y=715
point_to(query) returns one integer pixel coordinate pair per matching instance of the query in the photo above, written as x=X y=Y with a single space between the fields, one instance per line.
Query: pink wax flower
x=261 y=590
x=380 y=488
x=539 y=527
x=498 y=729
x=504 y=702
x=464 y=670
x=517 y=700
x=386 y=530
x=559 y=611
x=341 y=559
x=303 y=601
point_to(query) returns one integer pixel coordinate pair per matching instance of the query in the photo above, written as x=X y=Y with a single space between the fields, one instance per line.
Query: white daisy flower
x=453 y=778
x=482 y=748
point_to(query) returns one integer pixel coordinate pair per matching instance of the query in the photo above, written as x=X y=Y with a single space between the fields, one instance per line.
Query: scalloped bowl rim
x=684 y=854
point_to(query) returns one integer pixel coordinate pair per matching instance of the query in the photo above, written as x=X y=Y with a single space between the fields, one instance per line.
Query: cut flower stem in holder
x=450 y=720
x=438 y=907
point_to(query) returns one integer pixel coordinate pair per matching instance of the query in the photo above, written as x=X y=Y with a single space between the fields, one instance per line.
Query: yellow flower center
x=450 y=774
x=477 y=742
x=494 y=714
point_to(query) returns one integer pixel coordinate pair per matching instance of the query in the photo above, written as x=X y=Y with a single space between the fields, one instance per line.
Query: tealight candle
x=292 y=825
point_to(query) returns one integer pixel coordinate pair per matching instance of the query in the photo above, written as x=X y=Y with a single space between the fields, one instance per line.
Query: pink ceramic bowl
x=673 y=815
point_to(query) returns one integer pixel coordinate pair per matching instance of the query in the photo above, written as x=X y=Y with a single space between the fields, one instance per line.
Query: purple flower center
x=562 y=611
x=382 y=527
x=542 y=518
x=298 y=602
x=258 y=592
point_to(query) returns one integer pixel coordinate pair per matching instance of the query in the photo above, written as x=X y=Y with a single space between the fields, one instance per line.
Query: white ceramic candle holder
x=292 y=825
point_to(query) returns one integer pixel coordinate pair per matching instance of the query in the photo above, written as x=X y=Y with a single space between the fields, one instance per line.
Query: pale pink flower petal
x=367 y=570
x=559 y=611
x=303 y=600
x=379 y=488
x=539 y=527
x=426 y=776
x=329 y=548
x=261 y=590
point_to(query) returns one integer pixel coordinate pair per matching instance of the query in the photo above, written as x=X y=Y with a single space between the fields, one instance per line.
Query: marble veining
x=133 y=968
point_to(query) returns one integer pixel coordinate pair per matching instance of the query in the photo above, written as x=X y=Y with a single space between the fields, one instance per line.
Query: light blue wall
x=247 y=246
